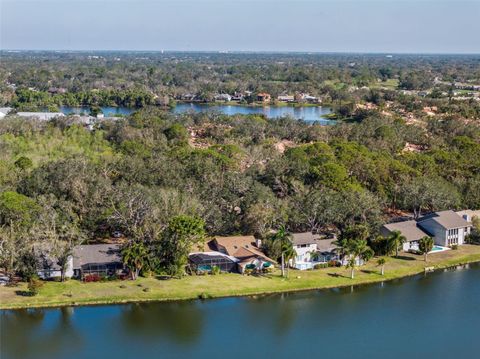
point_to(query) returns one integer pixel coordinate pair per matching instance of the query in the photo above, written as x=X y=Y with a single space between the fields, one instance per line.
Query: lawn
x=74 y=292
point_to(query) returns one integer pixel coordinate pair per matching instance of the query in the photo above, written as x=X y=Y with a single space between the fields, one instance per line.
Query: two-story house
x=447 y=228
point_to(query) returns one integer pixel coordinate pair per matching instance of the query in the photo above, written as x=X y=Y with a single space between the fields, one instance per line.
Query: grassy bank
x=74 y=292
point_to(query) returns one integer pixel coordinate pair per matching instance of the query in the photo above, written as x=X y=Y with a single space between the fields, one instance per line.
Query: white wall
x=304 y=253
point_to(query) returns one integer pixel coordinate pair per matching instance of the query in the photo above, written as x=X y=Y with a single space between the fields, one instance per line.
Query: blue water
x=107 y=110
x=309 y=114
x=432 y=316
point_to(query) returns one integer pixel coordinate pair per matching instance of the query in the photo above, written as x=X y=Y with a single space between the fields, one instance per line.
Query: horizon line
x=226 y=52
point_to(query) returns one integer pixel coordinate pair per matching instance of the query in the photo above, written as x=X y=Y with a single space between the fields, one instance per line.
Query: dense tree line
x=168 y=182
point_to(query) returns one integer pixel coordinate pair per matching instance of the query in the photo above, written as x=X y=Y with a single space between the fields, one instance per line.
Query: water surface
x=437 y=316
x=308 y=114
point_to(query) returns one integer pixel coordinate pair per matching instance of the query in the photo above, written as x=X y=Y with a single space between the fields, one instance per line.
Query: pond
x=309 y=114
x=433 y=316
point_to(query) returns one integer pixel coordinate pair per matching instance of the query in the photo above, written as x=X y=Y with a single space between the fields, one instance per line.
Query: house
x=93 y=259
x=312 y=249
x=305 y=244
x=42 y=116
x=447 y=228
x=201 y=262
x=286 y=98
x=48 y=267
x=238 y=96
x=223 y=97
x=4 y=111
x=246 y=249
x=409 y=229
x=264 y=97
x=303 y=97
x=97 y=259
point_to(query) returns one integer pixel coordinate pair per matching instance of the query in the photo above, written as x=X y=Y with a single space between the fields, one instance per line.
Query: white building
x=447 y=228
x=311 y=249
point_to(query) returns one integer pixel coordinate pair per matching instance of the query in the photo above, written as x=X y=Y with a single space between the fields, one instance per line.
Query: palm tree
x=284 y=240
x=381 y=262
x=135 y=257
x=288 y=253
x=425 y=244
x=357 y=248
x=395 y=240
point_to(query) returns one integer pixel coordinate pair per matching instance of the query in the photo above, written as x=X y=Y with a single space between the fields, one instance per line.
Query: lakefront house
x=447 y=228
x=102 y=260
x=244 y=251
x=312 y=249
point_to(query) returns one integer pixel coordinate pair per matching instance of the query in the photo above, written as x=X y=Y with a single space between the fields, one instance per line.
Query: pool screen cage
x=201 y=262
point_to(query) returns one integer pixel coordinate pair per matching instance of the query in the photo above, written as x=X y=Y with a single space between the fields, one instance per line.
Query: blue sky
x=425 y=26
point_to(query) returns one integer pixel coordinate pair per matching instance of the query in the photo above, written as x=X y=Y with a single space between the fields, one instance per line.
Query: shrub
x=146 y=290
x=92 y=278
x=454 y=247
x=34 y=286
x=215 y=270
x=320 y=266
x=333 y=264
x=204 y=295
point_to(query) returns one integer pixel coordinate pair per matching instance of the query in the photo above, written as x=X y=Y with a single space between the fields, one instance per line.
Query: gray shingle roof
x=447 y=219
x=326 y=245
x=409 y=230
x=304 y=238
x=96 y=254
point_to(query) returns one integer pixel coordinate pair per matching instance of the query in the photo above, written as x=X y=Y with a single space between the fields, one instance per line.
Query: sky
x=385 y=26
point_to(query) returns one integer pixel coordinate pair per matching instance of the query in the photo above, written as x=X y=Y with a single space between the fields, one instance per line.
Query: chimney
x=258 y=242
x=466 y=217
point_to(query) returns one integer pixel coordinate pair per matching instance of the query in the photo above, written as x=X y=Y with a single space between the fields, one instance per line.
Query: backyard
x=74 y=292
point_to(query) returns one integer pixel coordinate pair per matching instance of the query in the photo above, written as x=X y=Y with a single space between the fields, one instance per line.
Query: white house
x=447 y=228
x=286 y=98
x=311 y=249
x=223 y=97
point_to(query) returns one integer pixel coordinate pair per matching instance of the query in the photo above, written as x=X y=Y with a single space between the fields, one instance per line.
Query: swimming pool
x=439 y=249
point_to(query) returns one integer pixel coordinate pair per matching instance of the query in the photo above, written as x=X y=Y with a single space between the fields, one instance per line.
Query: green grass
x=74 y=292
x=391 y=84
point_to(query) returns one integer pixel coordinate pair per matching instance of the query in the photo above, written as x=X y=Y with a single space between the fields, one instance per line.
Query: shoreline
x=290 y=285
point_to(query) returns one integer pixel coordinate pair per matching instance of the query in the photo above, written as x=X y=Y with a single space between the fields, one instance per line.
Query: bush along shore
x=73 y=292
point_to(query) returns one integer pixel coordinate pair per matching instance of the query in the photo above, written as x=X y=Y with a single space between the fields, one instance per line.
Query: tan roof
x=409 y=230
x=470 y=213
x=447 y=219
x=240 y=247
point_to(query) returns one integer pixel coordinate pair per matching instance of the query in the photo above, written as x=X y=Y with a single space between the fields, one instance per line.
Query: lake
x=309 y=114
x=433 y=316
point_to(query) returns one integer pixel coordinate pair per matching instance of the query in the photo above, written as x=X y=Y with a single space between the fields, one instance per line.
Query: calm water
x=437 y=316
x=309 y=114
x=107 y=110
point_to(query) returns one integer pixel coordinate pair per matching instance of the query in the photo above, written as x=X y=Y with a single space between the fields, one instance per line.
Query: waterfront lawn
x=74 y=292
